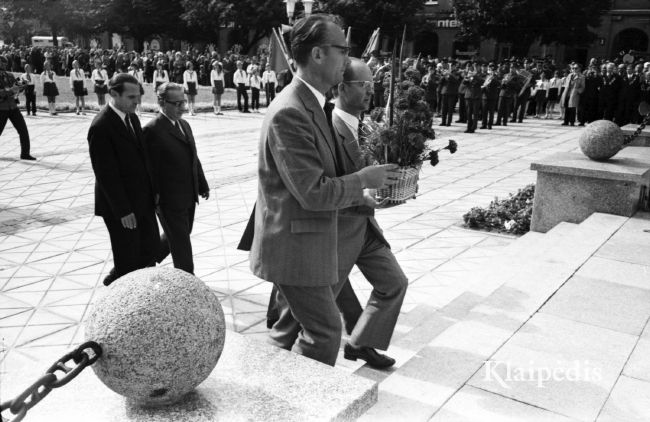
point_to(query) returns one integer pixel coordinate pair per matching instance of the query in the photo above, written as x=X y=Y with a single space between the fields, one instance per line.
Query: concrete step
x=535 y=267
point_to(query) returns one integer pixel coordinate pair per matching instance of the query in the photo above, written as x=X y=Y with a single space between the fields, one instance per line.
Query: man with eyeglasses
x=360 y=240
x=124 y=194
x=573 y=88
x=301 y=187
x=177 y=175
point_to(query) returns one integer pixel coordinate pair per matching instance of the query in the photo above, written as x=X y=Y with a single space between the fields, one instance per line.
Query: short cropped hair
x=116 y=83
x=308 y=33
x=163 y=90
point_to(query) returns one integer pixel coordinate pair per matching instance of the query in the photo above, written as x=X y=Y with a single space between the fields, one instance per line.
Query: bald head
x=357 y=70
x=356 y=90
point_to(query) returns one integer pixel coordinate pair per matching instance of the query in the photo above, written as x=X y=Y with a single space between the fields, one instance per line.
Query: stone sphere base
x=601 y=140
x=161 y=330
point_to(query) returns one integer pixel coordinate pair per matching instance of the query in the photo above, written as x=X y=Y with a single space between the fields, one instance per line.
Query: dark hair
x=119 y=79
x=163 y=90
x=308 y=33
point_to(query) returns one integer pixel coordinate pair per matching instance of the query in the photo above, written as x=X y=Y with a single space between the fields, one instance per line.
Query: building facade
x=625 y=27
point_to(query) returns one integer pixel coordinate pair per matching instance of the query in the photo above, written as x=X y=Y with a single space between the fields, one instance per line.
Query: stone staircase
x=441 y=369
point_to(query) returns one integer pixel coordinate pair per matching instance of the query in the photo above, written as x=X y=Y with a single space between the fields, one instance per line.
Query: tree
x=522 y=22
x=59 y=15
x=364 y=16
x=250 y=20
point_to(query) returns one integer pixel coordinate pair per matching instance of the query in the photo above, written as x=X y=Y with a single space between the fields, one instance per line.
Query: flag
x=401 y=53
x=286 y=28
x=277 y=58
x=348 y=37
x=373 y=43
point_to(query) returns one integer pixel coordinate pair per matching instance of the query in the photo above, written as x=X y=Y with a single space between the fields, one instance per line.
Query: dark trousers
x=30 y=100
x=255 y=98
x=473 y=108
x=505 y=103
x=487 y=111
x=16 y=118
x=177 y=225
x=520 y=108
x=270 y=93
x=448 y=104
x=133 y=249
x=241 y=93
x=346 y=301
x=588 y=110
x=569 y=113
x=462 y=109
x=607 y=110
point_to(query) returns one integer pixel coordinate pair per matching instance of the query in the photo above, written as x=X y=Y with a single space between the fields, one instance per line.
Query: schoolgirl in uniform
x=100 y=80
x=190 y=81
x=49 y=87
x=217 y=83
x=77 y=84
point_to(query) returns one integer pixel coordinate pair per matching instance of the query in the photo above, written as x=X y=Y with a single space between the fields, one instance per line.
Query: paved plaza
x=54 y=253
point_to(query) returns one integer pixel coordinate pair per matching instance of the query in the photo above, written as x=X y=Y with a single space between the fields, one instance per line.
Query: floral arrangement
x=511 y=215
x=406 y=142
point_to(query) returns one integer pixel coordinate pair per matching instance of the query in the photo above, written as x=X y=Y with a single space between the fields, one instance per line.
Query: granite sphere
x=601 y=140
x=161 y=330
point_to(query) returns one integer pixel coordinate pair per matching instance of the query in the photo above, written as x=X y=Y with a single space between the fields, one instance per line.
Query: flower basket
x=405 y=188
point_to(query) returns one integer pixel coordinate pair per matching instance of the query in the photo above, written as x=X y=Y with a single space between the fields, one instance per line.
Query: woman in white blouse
x=541 y=93
x=49 y=87
x=77 y=85
x=160 y=76
x=217 y=83
x=100 y=80
x=554 y=86
x=190 y=80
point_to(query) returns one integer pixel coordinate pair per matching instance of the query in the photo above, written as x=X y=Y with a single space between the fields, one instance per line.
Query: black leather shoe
x=111 y=277
x=370 y=355
x=483 y=127
x=27 y=157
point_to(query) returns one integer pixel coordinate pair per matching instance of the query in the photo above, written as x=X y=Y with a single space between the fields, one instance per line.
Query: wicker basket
x=405 y=188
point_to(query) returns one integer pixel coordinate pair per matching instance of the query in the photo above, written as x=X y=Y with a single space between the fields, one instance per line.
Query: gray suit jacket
x=296 y=226
x=353 y=221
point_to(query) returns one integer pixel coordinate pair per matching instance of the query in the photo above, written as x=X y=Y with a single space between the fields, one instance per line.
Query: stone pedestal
x=252 y=381
x=643 y=140
x=570 y=187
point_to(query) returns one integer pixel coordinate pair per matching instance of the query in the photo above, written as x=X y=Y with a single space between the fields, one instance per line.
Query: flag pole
x=401 y=52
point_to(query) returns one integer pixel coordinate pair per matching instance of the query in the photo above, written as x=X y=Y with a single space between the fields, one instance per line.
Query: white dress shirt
x=215 y=76
x=352 y=122
x=319 y=97
x=269 y=77
x=100 y=74
x=240 y=77
x=189 y=76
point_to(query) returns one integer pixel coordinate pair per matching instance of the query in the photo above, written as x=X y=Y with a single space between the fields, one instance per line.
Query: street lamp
x=291 y=7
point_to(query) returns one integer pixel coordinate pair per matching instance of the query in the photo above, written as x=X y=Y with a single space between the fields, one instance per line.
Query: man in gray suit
x=361 y=241
x=301 y=187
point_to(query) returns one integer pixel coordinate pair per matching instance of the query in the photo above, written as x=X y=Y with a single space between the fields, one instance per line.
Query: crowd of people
x=191 y=69
x=494 y=94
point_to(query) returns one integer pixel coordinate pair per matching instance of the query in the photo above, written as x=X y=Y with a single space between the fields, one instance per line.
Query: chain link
x=42 y=387
x=629 y=138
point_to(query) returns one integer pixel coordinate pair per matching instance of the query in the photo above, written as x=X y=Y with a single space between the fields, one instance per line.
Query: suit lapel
x=317 y=114
x=348 y=141
x=170 y=128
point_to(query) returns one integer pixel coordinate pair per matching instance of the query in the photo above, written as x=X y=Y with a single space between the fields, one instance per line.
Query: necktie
x=129 y=127
x=29 y=77
x=337 y=147
x=178 y=127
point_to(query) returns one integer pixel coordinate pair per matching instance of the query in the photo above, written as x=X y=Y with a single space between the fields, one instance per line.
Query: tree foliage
x=364 y=16
x=250 y=20
x=522 y=22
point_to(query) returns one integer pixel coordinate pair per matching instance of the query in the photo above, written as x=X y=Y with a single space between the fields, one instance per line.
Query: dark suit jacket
x=122 y=172
x=177 y=173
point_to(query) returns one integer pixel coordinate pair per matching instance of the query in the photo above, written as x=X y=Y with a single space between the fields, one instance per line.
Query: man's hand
x=377 y=177
x=370 y=201
x=129 y=221
x=205 y=195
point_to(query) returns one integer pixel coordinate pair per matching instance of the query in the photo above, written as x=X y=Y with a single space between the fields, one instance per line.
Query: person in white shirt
x=190 y=81
x=240 y=79
x=217 y=83
x=28 y=79
x=160 y=76
x=77 y=80
x=256 y=85
x=270 y=81
x=100 y=80
x=553 y=97
x=540 y=93
x=49 y=87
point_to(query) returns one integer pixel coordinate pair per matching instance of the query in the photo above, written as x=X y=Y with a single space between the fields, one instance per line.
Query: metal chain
x=637 y=132
x=42 y=387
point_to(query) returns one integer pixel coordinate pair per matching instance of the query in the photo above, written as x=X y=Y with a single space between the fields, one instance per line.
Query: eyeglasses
x=177 y=103
x=343 y=48
x=362 y=84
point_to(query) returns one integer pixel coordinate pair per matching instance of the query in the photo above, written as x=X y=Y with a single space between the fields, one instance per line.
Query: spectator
x=217 y=82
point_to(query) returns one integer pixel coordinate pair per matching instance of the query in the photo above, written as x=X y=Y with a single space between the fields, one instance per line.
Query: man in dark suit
x=123 y=187
x=472 y=82
x=9 y=89
x=301 y=187
x=177 y=174
x=506 y=96
x=609 y=92
x=490 y=96
x=449 y=92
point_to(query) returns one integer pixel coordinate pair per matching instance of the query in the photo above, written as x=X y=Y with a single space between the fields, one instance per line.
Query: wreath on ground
x=511 y=215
